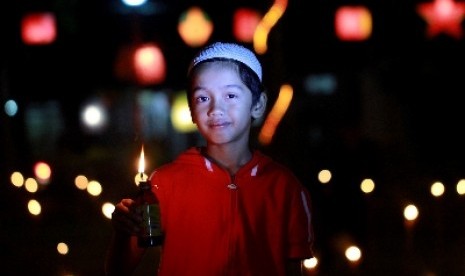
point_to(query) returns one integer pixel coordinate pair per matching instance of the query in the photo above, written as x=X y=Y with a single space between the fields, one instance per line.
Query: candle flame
x=141 y=161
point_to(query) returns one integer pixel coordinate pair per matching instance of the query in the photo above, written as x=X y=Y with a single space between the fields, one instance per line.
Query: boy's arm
x=123 y=254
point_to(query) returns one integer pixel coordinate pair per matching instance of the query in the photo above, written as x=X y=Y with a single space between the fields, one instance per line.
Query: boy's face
x=221 y=104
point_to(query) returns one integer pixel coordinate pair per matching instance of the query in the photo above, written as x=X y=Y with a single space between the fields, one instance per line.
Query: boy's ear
x=260 y=107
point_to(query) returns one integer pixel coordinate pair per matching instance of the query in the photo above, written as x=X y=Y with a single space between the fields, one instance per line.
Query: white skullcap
x=230 y=51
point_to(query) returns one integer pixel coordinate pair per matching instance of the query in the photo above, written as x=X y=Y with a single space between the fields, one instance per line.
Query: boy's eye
x=201 y=99
x=231 y=96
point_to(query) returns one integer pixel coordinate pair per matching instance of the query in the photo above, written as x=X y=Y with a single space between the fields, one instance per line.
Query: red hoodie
x=218 y=224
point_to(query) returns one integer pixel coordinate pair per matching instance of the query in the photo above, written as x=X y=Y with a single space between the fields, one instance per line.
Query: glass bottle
x=147 y=202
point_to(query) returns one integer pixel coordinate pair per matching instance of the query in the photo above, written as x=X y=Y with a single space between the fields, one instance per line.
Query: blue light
x=11 y=108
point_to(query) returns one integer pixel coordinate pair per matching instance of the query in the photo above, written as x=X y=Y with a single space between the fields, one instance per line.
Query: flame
x=141 y=161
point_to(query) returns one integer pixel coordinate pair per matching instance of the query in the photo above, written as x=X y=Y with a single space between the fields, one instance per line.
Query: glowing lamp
x=38 y=28
x=149 y=65
x=353 y=23
x=195 y=27
x=245 y=21
x=141 y=176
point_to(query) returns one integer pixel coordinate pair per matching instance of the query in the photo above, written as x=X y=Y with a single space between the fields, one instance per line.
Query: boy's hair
x=248 y=66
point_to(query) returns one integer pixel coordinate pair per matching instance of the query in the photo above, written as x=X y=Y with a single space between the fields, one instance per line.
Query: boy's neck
x=229 y=158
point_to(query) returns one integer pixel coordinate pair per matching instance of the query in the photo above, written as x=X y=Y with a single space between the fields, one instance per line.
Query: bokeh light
x=181 y=115
x=107 y=209
x=353 y=253
x=367 y=186
x=461 y=187
x=311 y=263
x=31 y=185
x=11 y=108
x=94 y=188
x=411 y=212
x=62 y=248
x=17 y=179
x=42 y=172
x=324 y=176
x=34 y=207
x=81 y=182
x=437 y=189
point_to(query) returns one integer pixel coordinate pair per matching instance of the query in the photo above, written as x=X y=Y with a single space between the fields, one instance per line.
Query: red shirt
x=217 y=224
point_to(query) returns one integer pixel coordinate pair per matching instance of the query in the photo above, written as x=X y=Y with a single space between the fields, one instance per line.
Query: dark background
x=396 y=116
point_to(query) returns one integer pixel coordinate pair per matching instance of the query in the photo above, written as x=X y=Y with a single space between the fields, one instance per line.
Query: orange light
x=141 y=161
x=276 y=114
x=260 y=37
x=195 y=27
x=141 y=176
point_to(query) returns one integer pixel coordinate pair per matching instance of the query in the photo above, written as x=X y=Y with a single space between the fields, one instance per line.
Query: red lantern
x=38 y=28
x=149 y=64
x=245 y=22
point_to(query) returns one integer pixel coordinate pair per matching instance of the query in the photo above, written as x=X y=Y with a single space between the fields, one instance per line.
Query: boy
x=226 y=209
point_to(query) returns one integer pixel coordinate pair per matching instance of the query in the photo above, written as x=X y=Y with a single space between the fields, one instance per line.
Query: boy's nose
x=216 y=107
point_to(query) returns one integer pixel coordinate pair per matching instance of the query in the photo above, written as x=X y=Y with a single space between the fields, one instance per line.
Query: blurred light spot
x=411 y=212
x=276 y=114
x=34 y=207
x=264 y=26
x=149 y=64
x=353 y=23
x=38 y=28
x=461 y=187
x=11 y=108
x=94 y=117
x=31 y=185
x=367 y=186
x=81 y=182
x=62 y=248
x=324 y=176
x=195 y=27
x=353 y=253
x=134 y=3
x=155 y=114
x=320 y=84
x=310 y=263
x=42 y=172
x=107 y=209
x=181 y=115
x=44 y=125
x=17 y=179
x=94 y=188
x=437 y=189
x=245 y=21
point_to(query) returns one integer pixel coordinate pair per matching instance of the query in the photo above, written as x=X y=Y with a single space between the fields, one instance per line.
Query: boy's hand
x=125 y=218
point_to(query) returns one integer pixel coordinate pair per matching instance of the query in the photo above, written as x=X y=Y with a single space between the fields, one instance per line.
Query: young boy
x=226 y=209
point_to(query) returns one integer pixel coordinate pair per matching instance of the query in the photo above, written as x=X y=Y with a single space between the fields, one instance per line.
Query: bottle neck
x=144 y=185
